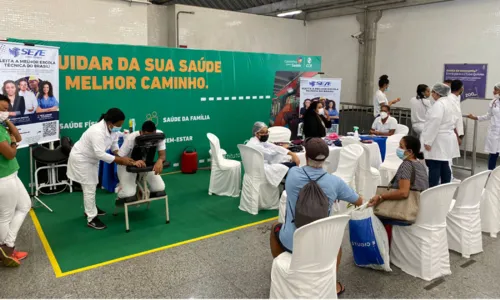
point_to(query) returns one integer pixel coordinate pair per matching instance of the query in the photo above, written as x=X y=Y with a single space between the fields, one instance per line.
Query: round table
x=380 y=140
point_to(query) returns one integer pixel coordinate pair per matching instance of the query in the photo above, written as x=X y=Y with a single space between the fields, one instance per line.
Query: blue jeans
x=492 y=161
x=438 y=171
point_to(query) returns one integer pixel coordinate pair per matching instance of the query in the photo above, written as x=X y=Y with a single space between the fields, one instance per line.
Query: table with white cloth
x=332 y=161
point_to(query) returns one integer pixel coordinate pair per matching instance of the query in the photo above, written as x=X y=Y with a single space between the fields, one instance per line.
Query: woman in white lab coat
x=419 y=107
x=83 y=162
x=276 y=158
x=492 y=145
x=438 y=136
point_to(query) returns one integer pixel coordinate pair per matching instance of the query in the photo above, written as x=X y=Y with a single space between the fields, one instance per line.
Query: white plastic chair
x=464 y=220
x=348 y=162
x=348 y=165
x=282 y=208
x=421 y=250
x=279 y=134
x=310 y=272
x=402 y=129
x=490 y=204
x=367 y=178
x=391 y=162
x=257 y=193
x=225 y=174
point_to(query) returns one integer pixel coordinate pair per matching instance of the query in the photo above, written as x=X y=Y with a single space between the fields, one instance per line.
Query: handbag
x=405 y=210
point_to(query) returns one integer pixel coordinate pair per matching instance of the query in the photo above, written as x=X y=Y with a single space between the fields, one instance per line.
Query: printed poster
x=325 y=90
x=29 y=77
x=472 y=75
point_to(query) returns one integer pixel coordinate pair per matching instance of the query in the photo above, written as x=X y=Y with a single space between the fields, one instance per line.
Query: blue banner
x=472 y=75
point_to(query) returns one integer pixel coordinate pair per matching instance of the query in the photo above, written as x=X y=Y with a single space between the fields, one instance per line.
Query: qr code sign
x=49 y=129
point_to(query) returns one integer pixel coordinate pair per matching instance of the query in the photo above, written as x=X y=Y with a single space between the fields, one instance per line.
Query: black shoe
x=100 y=212
x=96 y=224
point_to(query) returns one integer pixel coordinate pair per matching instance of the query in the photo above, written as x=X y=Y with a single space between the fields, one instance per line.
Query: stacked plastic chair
x=490 y=204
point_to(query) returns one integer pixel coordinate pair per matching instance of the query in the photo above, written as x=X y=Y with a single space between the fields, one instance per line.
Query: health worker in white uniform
x=492 y=145
x=419 y=107
x=276 y=158
x=128 y=185
x=380 y=98
x=438 y=137
x=83 y=162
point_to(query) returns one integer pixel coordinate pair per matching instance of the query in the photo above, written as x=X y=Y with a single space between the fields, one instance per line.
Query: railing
x=361 y=115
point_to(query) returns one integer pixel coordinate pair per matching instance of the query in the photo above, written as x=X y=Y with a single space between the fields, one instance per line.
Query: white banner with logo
x=326 y=90
x=29 y=77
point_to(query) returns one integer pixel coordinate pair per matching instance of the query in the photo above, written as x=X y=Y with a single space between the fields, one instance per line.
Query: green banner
x=187 y=93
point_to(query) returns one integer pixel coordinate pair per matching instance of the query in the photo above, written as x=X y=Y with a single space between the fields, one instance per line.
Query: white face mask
x=496 y=96
x=383 y=115
x=321 y=111
x=4 y=115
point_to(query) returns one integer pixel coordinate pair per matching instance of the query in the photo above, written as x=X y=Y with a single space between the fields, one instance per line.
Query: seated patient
x=276 y=158
x=128 y=185
x=384 y=125
x=334 y=188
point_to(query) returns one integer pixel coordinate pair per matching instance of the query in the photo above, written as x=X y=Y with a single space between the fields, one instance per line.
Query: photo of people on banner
x=29 y=77
x=326 y=91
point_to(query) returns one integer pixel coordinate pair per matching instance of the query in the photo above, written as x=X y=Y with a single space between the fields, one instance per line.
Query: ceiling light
x=289 y=13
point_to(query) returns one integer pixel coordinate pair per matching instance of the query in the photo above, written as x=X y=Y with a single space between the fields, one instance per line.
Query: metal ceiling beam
x=288 y=5
x=330 y=13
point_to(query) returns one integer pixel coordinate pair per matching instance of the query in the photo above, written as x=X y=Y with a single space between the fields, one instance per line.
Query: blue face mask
x=400 y=153
x=116 y=129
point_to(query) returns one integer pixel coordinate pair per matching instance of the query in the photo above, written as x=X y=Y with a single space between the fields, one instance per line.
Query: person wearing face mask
x=15 y=203
x=438 y=136
x=276 y=158
x=411 y=175
x=419 y=107
x=492 y=145
x=380 y=98
x=384 y=125
x=83 y=162
x=316 y=120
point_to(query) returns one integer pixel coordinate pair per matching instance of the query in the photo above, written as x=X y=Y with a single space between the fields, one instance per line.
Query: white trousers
x=128 y=186
x=15 y=203
x=89 y=200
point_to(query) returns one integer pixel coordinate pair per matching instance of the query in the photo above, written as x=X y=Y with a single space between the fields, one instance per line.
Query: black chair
x=145 y=150
x=54 y=161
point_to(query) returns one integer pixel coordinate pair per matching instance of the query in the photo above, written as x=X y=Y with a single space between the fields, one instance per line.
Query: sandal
x=342 y=288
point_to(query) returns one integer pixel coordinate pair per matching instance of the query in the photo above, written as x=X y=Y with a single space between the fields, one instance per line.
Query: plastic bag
x=369 y=241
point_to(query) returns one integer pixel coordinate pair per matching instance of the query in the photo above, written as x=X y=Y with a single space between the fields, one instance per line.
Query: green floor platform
x=73 y=247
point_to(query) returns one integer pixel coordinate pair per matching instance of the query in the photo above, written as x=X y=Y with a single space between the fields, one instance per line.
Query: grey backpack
x=312 y=203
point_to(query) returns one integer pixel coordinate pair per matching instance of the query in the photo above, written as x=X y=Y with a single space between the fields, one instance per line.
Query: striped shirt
x=421 y=182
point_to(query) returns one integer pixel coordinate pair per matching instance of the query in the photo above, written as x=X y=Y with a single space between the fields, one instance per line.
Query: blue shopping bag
x=370 y=245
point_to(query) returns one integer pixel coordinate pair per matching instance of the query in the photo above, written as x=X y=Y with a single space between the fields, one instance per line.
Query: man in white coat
x=276 y=158
x=128 y=186
x=438 y=136
x=492 y=145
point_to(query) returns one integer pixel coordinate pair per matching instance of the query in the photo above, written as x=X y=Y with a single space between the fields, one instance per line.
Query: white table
x=332 y=161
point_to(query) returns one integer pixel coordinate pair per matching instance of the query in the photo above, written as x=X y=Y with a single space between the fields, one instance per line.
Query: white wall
x=413 y=44
x=226 y=30
x=331 y=39
x=97 y=21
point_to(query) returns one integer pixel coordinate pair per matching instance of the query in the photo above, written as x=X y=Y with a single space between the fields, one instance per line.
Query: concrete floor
x=235 y=265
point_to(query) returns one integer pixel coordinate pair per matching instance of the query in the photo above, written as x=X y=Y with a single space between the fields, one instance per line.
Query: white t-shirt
x=378 y=99
x=390 y=124
x=129 y=144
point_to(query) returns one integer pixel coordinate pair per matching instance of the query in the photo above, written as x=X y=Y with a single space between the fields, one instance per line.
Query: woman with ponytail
x=380 y=98
x=419 y=106
x=83 y=162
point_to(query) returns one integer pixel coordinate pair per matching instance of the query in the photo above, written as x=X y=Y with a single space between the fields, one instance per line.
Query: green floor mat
x=193 y=214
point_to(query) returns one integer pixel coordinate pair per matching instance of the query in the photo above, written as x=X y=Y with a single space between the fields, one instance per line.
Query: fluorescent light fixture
x=289 y=13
